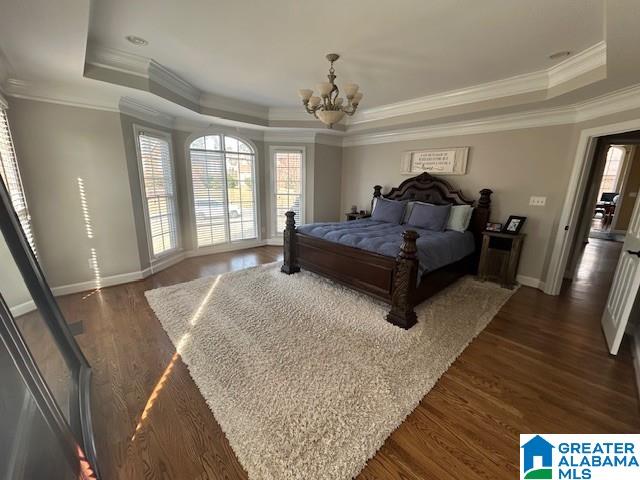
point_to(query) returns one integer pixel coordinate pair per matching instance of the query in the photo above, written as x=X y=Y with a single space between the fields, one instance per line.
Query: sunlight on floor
x=179 y=348
x=154 y=394
x=198 y=314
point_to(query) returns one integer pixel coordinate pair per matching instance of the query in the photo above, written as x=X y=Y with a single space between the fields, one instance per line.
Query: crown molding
x=330 y=140
x=118 y=60
x=540 y=81
x=582 y=62
x=290 y=137
x=611 y=103
x=219 y=102
x=608 y=104
x=527 y=83
x=16 y=88
x=293 y=136
x=539 y=118
x=144 y=67
x=138 y=110
x=286 y=114
x=160 y=74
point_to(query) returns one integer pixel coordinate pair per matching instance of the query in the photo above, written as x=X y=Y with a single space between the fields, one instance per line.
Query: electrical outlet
x=538 y=201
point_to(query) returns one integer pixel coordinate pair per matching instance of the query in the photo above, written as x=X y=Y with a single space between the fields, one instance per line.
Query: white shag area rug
x=305 y=377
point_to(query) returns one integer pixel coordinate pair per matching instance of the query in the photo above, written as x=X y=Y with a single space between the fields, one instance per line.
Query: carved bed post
x=290 y=264
x=481 y=213
x=377 y=193
x=485 y=198
x=405 y=278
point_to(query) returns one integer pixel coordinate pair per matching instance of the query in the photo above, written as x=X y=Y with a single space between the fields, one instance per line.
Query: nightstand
x=357 y=216
x=499 y=257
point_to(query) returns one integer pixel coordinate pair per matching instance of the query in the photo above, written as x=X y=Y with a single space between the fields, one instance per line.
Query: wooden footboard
x=390 y=280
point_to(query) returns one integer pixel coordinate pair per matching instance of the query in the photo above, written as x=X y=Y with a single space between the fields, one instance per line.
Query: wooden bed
x=394 y=281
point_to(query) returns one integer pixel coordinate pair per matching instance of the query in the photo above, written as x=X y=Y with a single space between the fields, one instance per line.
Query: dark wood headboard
x=430 y=189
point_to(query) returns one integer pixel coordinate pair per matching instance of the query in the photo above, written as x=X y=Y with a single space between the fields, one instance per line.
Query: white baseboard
x=636 y=356
x=276 y=241
x=157 y=266
x=94 y=284
x=227 y=247
x=530 y=282
x=23 y=308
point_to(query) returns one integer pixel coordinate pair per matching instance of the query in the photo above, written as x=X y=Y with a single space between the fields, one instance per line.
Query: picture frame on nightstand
x=514 y=224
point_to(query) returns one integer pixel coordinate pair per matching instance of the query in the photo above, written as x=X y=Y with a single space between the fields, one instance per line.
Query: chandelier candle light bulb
x=328 y=107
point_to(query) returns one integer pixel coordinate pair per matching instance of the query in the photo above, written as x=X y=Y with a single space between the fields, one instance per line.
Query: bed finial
x=290 y=264
x=405 y=279
x=377 y=193
x=485 y=198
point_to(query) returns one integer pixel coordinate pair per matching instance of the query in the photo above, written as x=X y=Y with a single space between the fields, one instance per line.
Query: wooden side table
x=357 y=215
x=499 y=257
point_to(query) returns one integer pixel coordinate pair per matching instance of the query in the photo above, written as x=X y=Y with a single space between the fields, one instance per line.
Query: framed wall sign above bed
x=435 y=161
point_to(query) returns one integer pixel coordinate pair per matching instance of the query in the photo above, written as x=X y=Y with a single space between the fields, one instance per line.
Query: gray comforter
x=435 y=249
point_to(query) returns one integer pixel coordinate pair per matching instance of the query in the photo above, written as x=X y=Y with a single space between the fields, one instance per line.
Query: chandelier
x=329 y=108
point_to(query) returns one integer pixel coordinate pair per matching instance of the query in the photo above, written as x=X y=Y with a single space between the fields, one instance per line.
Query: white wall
x=514 y=164
x=57 y=145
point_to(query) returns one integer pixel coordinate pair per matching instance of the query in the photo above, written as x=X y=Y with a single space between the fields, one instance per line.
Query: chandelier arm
x=337 y=91
x=351 y=111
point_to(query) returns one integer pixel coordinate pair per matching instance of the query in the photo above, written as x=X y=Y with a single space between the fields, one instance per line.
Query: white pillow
x=459 y=218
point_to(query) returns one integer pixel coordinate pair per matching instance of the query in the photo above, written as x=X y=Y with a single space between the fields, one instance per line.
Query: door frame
x=624 y=174
x=573 y=202
x=80 y=424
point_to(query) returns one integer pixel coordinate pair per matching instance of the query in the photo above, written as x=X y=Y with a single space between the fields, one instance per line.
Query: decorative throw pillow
x=389 y=211
x=407 y=211
x=429 y=217
x=459 y=218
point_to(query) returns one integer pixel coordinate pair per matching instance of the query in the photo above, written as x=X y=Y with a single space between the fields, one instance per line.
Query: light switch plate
x=538 y=201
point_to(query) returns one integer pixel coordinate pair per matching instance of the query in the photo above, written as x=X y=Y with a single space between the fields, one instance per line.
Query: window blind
x=223 y=180
x=288 y=178
x=159 y=191
x=11 y=177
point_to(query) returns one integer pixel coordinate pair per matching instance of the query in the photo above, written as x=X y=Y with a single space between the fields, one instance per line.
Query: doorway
x=603 y=248
x=618 y=187
x=610 y=196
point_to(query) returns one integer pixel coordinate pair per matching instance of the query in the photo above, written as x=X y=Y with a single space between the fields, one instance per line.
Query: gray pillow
x=459 y=218
x=429 y=217
x=389 y=211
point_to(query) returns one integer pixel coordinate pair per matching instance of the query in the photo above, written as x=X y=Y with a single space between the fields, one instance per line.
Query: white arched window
x=223 y=176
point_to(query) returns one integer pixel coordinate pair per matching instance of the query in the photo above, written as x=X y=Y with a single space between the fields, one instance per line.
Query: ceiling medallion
x=329 y=108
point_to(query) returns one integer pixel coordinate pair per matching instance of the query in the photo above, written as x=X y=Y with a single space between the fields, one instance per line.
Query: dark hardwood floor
x=540 y=366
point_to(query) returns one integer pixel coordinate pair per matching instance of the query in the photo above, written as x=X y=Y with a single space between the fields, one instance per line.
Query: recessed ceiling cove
x=261 y=52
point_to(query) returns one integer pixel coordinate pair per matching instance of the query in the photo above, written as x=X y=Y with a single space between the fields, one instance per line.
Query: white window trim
x=257 y=191
x=272 y=185
x=31 y=240
x=137 y=129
